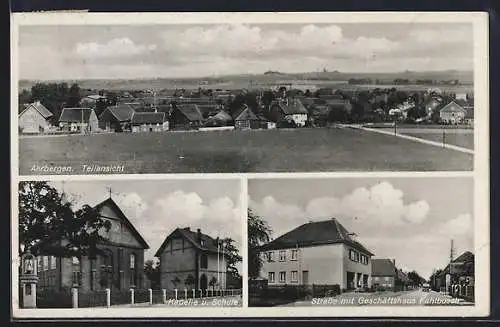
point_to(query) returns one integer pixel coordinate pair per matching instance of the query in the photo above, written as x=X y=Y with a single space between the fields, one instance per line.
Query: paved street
x=414 y=297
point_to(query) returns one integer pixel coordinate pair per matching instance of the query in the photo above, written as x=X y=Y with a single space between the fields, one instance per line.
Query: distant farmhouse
x=244 y=118
x=149 y=122
x=83 y=120
x=116 y=118
x=452 y=113
x=459 y=270
x=192 y=260
x=322 y=252
x=35 y=118
x=290 y=111
x=186 y=116
x=118 y=265
x=386 y=276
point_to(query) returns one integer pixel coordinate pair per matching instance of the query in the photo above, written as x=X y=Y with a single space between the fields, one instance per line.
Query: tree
x=152 y=272
x=74 y=96
x=259 y=233
x=53 y=96
x=189 y=281
x=231 y=254
x=212 y=282
x=176 y=281
x=415 y=278
x=49 y=225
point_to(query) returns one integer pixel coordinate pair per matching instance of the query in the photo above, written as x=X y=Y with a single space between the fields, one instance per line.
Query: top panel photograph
x=245 y=97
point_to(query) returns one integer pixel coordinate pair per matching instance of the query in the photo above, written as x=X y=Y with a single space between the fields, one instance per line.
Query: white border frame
x=480 y=173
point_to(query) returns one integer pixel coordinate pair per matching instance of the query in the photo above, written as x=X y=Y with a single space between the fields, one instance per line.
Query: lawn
x=463 y=137
x=304 y=150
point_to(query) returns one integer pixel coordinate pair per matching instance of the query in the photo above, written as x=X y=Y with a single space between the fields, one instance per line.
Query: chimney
x=394 y=262
x=198 y=235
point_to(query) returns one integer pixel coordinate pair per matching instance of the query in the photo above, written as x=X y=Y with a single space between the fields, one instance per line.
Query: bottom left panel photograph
x=129 y=243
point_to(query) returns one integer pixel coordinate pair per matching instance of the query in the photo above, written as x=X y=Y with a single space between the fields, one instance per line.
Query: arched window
x=133 y=269
x=107 y=269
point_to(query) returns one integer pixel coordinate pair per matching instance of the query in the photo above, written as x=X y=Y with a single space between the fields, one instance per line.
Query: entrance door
x=305 y=277
x=203 y=282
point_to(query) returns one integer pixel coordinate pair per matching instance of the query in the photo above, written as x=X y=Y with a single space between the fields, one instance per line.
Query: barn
x=289 y=111
x=83 y=120
x=116 y=118
x=245 y=118
x=149 y=122
x=35 y=118
x=186 y=116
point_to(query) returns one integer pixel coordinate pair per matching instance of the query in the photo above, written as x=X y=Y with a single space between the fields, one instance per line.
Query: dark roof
x=209 y=243
x=316 y=233
x=465 y=258
x=383 y=267
x=137 y=106
x=137 y=235
x=307 y=101
x=75 y=114
x=190 y=111
x=452 y=106
x=122 y=112
x=245 y=113
x=148 y=118
x=293 y=107
x=40 y=108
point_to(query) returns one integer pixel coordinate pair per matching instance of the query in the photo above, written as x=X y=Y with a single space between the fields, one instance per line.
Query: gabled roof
x=122 y=112
x=465 y=258
x=316 y=233
x=383 y=267
x=40 y=108
x=123 y=218
x=148 y=118
x=293 y=107
x=245 y=113
x=209 y=243
x=452 y=106
x=71 y=115
x=190 y=111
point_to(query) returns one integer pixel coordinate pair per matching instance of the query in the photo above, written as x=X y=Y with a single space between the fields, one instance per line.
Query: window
x=202 y=243
x=364 y=259
x=271 y=277
x=53 y=262
x=270 y=256
x=282 y=276
x=282 y=255
x=294 y=254
x=295 y=277
x=387 y=278
x=40 y=264
x=353 y=255
x=45 y=262
x=204 y=261
x=132 y=261
x=77 y=278
x=133 y=271
x=93 y=273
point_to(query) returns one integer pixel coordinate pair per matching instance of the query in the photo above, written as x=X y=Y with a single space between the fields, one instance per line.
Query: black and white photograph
x=290 y=97
x=361 y=242
x=129 y=244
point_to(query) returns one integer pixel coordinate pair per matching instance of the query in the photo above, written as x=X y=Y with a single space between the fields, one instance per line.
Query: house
x=334 y=109
x=118 y=264
x=35 y=118
x=83 y=120
x=149 y=122
x=290 y=111
x=384 y=274
x=245 y=118
x=452 y=113
x=222 y=118
x=459 y=270
x=116 y=118
x=191 y=260
x=321 y=252
x=186 y=116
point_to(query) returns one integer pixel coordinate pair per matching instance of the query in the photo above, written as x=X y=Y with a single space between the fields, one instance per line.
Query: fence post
x=206 y=292
x=232 y=292
x=74 y=293
x=164 y=291
x=185 y=293
x=176 y=294
x=201 y=293
x=194 y=293
x=132 y=299
x=108 y=297
x=150 y=296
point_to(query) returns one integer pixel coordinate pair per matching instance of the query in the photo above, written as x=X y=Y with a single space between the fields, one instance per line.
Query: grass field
x=305 y=150
x=460 y=137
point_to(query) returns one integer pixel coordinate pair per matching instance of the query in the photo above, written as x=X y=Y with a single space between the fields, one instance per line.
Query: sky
x=185 y=50
x=157 y=207
x=411 y=220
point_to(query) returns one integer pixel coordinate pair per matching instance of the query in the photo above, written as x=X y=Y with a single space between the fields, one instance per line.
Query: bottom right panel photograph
x=397 y=241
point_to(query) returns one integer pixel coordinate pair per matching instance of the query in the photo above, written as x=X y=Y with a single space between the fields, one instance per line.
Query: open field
x=453 y=136
x=305 y=150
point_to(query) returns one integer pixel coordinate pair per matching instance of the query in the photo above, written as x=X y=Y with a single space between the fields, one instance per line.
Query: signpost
x=28 y=279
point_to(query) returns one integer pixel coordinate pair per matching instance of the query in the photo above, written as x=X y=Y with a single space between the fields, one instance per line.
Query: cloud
x=131 y=204
x=458 y=226
x=119 y=47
